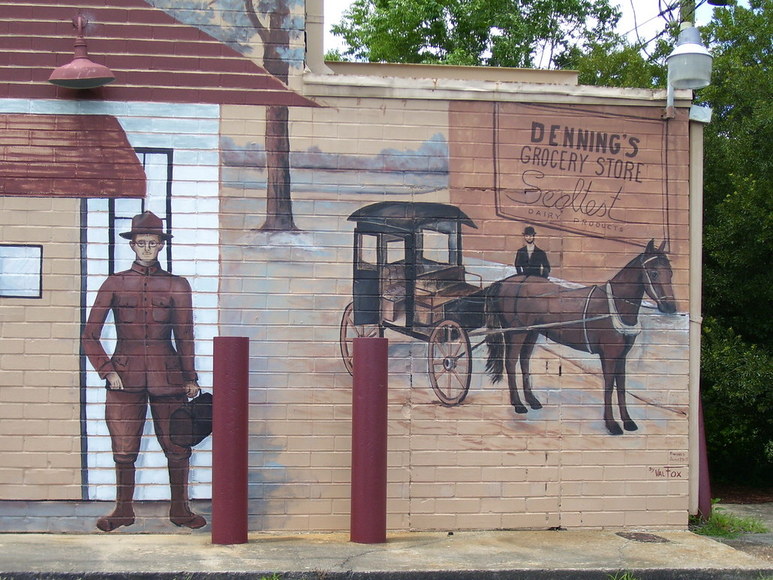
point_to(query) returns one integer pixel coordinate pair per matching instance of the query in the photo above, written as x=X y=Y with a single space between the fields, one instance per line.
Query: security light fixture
x=81 y=73
x=689 y=65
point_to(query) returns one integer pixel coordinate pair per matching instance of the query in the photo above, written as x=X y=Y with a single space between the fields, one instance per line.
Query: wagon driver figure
x=530 y=259
x=149 y=306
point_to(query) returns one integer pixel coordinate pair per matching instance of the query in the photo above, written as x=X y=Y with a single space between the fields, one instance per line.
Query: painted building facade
x=490 y=223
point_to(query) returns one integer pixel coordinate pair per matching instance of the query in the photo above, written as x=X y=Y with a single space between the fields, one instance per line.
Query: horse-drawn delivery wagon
x=409 y=277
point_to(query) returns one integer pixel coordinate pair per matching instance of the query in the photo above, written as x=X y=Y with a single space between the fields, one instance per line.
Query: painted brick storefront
x=259 y=175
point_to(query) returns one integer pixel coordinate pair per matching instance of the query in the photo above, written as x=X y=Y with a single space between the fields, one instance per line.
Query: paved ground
x=758 y=545
x=498 y=555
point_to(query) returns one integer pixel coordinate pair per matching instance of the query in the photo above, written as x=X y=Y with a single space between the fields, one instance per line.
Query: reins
x=585 y=315
x=537 y=326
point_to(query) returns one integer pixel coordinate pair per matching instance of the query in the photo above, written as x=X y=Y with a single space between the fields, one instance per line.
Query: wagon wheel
x=349 y=331
x=449 y=360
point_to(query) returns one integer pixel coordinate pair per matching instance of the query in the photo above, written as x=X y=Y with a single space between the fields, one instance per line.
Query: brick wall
x=39 y=423
x=474 y=466
x=478 y=465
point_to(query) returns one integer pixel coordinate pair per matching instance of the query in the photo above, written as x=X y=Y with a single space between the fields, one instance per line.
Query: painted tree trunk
x=279 y=209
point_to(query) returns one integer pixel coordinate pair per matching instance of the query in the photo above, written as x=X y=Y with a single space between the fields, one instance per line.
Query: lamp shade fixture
x=81 y=72
x=689 y=65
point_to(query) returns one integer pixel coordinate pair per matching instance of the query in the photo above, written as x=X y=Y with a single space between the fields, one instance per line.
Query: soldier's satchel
x=192 y=422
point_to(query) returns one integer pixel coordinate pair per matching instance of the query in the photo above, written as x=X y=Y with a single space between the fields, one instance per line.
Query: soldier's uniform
x=154 y=357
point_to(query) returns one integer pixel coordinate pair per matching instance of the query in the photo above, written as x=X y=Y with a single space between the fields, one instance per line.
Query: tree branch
x=255 y=21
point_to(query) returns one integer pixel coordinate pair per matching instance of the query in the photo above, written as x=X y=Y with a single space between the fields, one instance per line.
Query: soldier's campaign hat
x=192 y=422
x=146 y=223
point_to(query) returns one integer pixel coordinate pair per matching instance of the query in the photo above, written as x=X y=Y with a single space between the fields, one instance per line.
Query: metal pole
x=704 y=485
x=687 y=11
x=369 y=441
x=230 y=406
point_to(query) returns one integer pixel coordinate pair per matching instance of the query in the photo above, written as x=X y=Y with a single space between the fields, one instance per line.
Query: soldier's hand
x=192 y=389
x=114 y=382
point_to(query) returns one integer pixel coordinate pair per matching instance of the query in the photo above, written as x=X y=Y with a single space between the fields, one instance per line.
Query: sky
x=644 y=16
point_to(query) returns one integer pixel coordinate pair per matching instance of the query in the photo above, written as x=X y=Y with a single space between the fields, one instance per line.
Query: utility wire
x=666 y=11
x=635 y=25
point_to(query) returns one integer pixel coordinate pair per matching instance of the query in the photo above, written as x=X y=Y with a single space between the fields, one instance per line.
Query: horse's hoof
x=614 y=428
x=534 y=403
x=630 y=425
x=521 y=409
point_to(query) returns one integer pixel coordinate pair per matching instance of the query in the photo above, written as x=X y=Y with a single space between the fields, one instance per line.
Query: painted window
x=21 y=271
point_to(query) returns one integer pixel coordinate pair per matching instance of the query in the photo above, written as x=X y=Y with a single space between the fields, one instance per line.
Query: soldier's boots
x=123 y=514
x=180 y=513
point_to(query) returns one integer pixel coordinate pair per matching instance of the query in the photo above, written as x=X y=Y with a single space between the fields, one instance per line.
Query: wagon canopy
x=407 y=216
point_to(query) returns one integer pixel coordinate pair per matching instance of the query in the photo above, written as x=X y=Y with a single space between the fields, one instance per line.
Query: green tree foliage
x=736 y=380
x=614 y=62
x=737 y=351
x=513 y=33
x=566 y=34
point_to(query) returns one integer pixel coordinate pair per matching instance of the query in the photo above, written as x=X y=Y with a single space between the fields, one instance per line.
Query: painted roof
x=67 y=156
x=409 y=216
x=154 y=57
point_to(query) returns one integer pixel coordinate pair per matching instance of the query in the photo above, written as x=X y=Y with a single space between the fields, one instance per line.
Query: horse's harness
x=617 y=321
x=614 y=316
x=650 y=286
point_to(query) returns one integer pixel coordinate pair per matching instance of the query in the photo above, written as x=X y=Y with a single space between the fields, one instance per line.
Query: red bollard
x=230 y=415
x=704 y=481
x=369 y=441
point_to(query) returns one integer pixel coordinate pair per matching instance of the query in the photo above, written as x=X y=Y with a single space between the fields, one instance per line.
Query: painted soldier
x=153 y=364
x=530 y=259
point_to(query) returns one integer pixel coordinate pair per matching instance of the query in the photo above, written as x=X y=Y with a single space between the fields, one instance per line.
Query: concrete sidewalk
x=758 y=545
x=496 y=555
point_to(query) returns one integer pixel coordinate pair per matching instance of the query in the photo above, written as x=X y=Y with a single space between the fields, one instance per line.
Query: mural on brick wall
x=600 y=176
x=108 y=167
x=594 y=184
x=539 y=246
x=111 y=165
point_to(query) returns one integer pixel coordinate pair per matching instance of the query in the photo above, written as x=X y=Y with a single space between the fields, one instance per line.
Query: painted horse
x=601 y=319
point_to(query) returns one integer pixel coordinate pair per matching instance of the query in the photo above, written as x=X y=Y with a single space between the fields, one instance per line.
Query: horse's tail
x=494 y=340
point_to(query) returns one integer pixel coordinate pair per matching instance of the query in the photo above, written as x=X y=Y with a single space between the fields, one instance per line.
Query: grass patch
x=622 y=576
x=722 y=524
